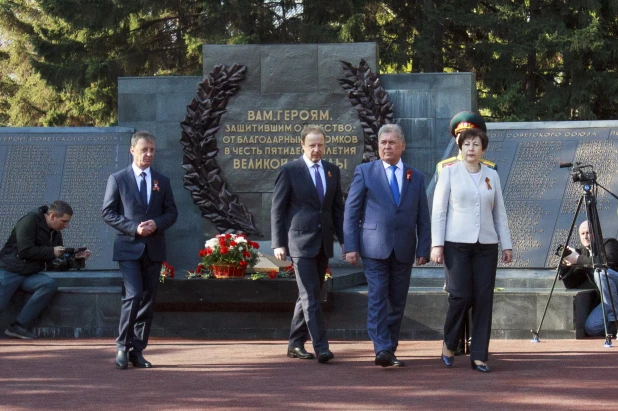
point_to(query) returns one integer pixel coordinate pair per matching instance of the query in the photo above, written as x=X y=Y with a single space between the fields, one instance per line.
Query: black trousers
x=308 y=320
x=471 y=277
x=141 y=281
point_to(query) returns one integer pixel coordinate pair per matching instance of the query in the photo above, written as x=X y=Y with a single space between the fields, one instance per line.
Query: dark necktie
x=143 y=191
x=394 y=185
x=318 y=183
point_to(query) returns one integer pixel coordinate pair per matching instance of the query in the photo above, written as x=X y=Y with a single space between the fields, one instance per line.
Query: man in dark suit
x=307 y=210
x=139 y=204
x=387 y=224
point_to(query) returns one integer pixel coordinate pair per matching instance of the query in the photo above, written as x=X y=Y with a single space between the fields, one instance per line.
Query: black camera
x=583 y=174
x=562 y=251
x=68 y=261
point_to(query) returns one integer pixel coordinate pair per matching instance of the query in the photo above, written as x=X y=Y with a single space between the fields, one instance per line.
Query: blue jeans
x=42 y=287
x=594 y=323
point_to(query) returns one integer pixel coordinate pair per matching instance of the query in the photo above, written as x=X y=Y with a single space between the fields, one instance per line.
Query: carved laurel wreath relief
x=202 y=121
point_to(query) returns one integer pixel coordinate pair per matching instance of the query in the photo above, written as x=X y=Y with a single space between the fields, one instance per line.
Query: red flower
x=199 y=268
x=233 y=243
x=221 y=240
x=254 y=244
x=224 y=249
x=241 y=235
x=246 y=254
x=228 y=236
x=272 y=274
x=208 y=251
x=242 y=263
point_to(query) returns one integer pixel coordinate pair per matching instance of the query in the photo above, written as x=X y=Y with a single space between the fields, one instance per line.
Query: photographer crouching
x=35 y=243
x=579 y=274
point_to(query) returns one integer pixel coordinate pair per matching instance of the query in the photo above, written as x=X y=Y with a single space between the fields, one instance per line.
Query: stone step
x=86 y=278
x=82 y=311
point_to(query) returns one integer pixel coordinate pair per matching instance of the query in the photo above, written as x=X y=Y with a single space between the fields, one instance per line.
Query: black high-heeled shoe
x=479 y=367
x=448 y=361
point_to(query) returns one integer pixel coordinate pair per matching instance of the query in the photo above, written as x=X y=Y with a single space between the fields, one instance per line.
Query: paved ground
x=51 y=374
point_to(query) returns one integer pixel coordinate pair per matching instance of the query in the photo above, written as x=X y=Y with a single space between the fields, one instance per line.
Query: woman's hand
x=507 y=256
x=437 y=254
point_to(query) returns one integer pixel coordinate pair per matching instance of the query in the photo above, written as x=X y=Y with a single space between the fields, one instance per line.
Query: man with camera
x=34 y=243
x=579 y=274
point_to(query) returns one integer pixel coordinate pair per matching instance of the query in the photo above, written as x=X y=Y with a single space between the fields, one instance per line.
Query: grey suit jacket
x=375 y=226
x=123 y=210
x=464 y=212
x=298 y=221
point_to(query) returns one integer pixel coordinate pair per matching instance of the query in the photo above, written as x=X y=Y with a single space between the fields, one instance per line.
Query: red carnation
x=208 y=251
x=233 y=243
x=246 y=254
x=199 y=268
x=242 y=263
x=228 y=236
x=272 y=274
x=221 y=240
x=224 y=249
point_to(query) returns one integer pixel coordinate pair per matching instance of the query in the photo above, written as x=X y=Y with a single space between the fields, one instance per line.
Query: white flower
x=212 y=243
x=240 y=240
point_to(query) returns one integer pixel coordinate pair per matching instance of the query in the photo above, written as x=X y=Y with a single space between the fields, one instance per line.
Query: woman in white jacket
x=468 y=221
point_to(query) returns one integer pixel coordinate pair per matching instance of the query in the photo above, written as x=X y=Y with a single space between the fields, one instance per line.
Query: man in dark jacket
x=34 y=241
x=579 y=273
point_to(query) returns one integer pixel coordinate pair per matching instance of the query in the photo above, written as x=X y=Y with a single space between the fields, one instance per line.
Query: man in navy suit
x=387 y=224
x=139 y=204
x=307 y=210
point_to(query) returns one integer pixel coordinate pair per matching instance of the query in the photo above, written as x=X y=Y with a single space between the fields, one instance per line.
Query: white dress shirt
x=398 y=173
x=138 y=179
x=310 y=165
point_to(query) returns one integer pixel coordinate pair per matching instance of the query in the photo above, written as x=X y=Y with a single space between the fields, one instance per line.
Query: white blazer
x=464 y=212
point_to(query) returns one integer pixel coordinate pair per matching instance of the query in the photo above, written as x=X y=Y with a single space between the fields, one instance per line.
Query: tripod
x=597 y=249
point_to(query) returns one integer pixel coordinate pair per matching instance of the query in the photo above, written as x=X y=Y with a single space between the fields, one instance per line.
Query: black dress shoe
x=396 y=362
x=385 y=359
x=479 y=367
x=448 y=361
x=122 y=361
x=325 y=356
x=299 y=352
x=138 y=360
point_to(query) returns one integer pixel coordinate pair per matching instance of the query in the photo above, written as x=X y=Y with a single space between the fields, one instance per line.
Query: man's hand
x=280 y=253
x=421 y=260
x=353 y=257
x=571 y=259
x=83 y=254
x=437 y=254
x=146 y=228
x=507 y=256
x=58 y=251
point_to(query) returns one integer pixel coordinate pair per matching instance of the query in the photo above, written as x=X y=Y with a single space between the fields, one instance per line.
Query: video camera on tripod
x=583 y=174
x=587 y=177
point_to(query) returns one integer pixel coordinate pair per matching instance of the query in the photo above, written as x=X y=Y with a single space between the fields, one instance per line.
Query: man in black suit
x=139 y=204
x=307 y=210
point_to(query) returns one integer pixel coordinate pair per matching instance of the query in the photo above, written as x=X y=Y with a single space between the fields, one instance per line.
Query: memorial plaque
x=258 y=138
x=38 y=168
x=540 y=197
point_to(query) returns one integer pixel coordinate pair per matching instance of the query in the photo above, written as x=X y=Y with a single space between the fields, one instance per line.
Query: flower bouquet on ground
x=167 y=271
x=229 y=255
x=287 y=272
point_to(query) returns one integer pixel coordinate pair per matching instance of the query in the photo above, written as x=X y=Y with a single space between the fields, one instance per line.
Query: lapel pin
x=329 y=174
x=155 y=186
x=487 y=182
x=409 y=175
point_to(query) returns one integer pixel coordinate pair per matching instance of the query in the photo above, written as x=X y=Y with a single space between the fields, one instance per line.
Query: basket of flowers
x=229 y=255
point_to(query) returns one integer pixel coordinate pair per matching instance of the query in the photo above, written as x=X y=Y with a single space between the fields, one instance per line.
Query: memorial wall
x=540 y=197
x=39 y=166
